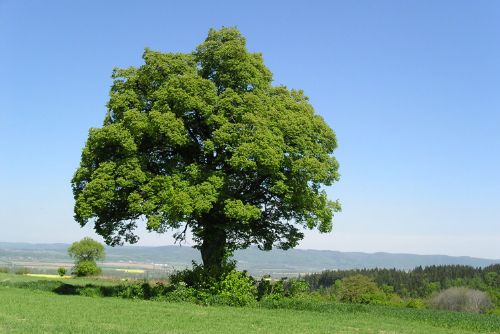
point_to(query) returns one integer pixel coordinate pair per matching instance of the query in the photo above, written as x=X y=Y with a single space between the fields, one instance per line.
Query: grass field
x=27 y=311
x=28 y=304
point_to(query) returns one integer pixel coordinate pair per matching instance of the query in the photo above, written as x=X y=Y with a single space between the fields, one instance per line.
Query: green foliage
x=360 y=289
x=264 y=287
x=203 y=141
x=86 y=249
x=420 y=282
x=231 y=288
x=4 y=270
x=296 y=287
x=197 y=277
x=61 y=271
x=277 y=290
x=236 y=289
x=416 y=303
x=86 y=268
x=86 y=252
x=181 y=293
x=494 y=294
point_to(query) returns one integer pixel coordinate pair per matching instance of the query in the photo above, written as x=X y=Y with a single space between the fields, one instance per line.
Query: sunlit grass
x=27 y=311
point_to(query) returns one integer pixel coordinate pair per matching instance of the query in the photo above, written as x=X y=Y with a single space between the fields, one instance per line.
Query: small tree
x=86 y=252
x=61 y=271
x=359 y=289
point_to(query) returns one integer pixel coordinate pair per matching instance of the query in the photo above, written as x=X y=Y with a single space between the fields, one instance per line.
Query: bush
x=4 y=270
x=181 y=293
x=86 y=268
x=198 y=277
x=359 y=289
x=494 y=311
x=462 y=299
x=61 y=271
x=296 y=287
x=134 y=291
x=235 y=289
x=415 y=303
x=264 y=287
x=277 y=291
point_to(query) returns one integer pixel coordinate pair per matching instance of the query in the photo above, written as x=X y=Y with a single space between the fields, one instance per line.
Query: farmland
x=160 y=261
x=30 y=310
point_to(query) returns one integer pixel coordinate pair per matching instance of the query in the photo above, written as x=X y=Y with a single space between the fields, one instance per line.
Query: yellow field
x=47 y=276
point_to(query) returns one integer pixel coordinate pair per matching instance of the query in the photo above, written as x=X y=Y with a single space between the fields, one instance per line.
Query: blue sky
x=412 y=89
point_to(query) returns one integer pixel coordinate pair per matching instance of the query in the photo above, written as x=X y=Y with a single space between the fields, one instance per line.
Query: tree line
x=420 y=282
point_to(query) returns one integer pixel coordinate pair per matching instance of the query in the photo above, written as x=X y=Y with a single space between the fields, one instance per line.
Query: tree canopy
x=86 y=252
x=203 y=142
x=86 y=249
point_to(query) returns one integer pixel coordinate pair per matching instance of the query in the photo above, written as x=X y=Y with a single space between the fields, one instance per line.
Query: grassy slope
x=26 y=311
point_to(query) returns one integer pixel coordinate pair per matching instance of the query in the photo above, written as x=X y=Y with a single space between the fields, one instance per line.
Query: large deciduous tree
x=203 y=142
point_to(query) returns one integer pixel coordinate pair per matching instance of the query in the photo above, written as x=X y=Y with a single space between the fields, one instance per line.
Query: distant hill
x=255 y=261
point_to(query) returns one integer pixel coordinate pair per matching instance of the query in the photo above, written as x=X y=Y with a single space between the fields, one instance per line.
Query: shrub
x=236 y=289
x=461 y=299
x=86 y=268
x=134 y=291
x=61 y=271
x=415 y=303
x=198 y=277
x=277 y=291
x=264 y=287
x=494 y=311
x=296 y=287
x=4 y=270
x=359 y=289
x=181 y=293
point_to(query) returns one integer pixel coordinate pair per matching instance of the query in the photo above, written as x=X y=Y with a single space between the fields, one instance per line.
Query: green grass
x=29 y=305
x=28 y=311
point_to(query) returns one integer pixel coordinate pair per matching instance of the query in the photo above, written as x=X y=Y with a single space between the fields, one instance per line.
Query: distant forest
x=420 y=282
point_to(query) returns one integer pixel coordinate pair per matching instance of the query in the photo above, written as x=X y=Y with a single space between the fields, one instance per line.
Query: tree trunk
x=213 y=249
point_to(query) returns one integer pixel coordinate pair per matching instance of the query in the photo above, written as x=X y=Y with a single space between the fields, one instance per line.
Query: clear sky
x=412 y=89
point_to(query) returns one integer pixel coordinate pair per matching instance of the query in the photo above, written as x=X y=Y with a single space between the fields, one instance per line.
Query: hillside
x=252 y=259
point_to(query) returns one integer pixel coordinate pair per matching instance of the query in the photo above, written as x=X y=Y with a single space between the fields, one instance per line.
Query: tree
x=361 y=289
x=61 y=271
x=203 y=142
x=86 y=252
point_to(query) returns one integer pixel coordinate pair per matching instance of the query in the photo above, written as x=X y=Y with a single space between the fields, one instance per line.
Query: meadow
x=25 y=308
